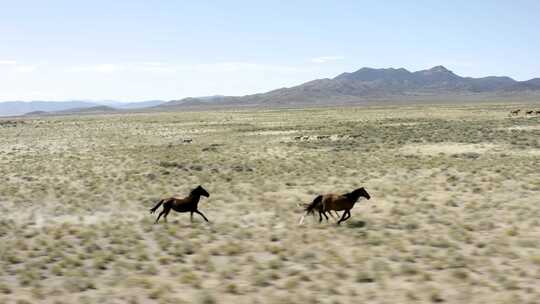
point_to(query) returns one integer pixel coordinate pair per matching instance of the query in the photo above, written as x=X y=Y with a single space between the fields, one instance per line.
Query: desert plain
x=454 y=215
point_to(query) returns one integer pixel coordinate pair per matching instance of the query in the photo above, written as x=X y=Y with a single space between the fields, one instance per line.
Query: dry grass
x=454 y=215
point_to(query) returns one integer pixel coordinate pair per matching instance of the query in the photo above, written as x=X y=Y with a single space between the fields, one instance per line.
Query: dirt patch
x=401 y=124
x=450 y=148
x=523 y=128
x=273 y=132
x=461 y=150
x=527 y=152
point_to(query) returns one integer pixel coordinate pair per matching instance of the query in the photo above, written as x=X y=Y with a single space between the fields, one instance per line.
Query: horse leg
x=335 y=214
x=302 y=220
x=348 y=215
x=342 y=218
x=166 y=210
x=191 y=216
x=204 y=217
x=326 y=216
x=160 y=214
x=320 y=216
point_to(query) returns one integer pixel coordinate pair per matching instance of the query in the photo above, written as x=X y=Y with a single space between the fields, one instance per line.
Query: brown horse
x=530 y=112
x=515 y=112
x=187 y=204
x=336 y=202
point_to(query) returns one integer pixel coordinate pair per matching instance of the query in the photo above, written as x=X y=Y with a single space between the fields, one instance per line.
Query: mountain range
x=366 y=85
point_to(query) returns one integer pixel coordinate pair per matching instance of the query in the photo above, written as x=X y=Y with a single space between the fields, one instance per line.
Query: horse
x=187 y=204
x=537 y=112
x=336 y=202
x=515 y=112
x=529 y=112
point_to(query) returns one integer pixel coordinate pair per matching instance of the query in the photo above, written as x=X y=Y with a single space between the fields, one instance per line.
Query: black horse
x=187 y=204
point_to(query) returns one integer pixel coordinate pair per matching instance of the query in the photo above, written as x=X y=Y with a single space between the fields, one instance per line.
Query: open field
x=454 y=215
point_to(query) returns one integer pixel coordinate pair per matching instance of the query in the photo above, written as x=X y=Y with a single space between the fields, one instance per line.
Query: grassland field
x=454 y=215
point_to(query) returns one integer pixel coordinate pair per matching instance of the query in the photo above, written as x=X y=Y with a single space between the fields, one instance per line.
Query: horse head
x=361 y=192
x=201 y=191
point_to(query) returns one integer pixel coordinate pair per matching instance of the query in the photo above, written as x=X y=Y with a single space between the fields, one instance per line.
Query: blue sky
x=140 y=50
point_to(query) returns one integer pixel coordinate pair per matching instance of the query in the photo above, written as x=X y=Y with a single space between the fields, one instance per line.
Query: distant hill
x=21 y=107
x=11 y=108
x=96 y=109
x=368 y=84
x=36 y=113
x=210 y=98
x=197 y=101
x=85 y=110
x=133 y=105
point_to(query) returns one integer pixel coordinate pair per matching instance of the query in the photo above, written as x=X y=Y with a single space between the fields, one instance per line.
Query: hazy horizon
x=126 y=51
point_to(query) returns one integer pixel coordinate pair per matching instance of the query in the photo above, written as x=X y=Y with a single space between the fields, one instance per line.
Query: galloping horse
x=187 y=204
x=336 y=202
x=515 y=112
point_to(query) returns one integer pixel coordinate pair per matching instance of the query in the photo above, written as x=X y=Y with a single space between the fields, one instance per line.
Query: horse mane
x=353 y=195
x=350 y=195
x=192 y=192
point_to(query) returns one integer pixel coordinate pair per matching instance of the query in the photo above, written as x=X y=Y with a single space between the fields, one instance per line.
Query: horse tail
x=311 y=207
x=302 y=205
x=157 y=206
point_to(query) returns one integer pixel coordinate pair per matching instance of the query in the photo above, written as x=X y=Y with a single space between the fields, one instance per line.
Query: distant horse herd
x=322 y=204
x=516 y=112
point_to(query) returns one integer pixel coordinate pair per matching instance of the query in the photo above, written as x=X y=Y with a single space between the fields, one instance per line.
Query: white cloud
x=8 y=62
x=25 y=68
x=324 y=59
x=156 y=67
x=14 y=66
x=152 y=63
x=99 y=68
